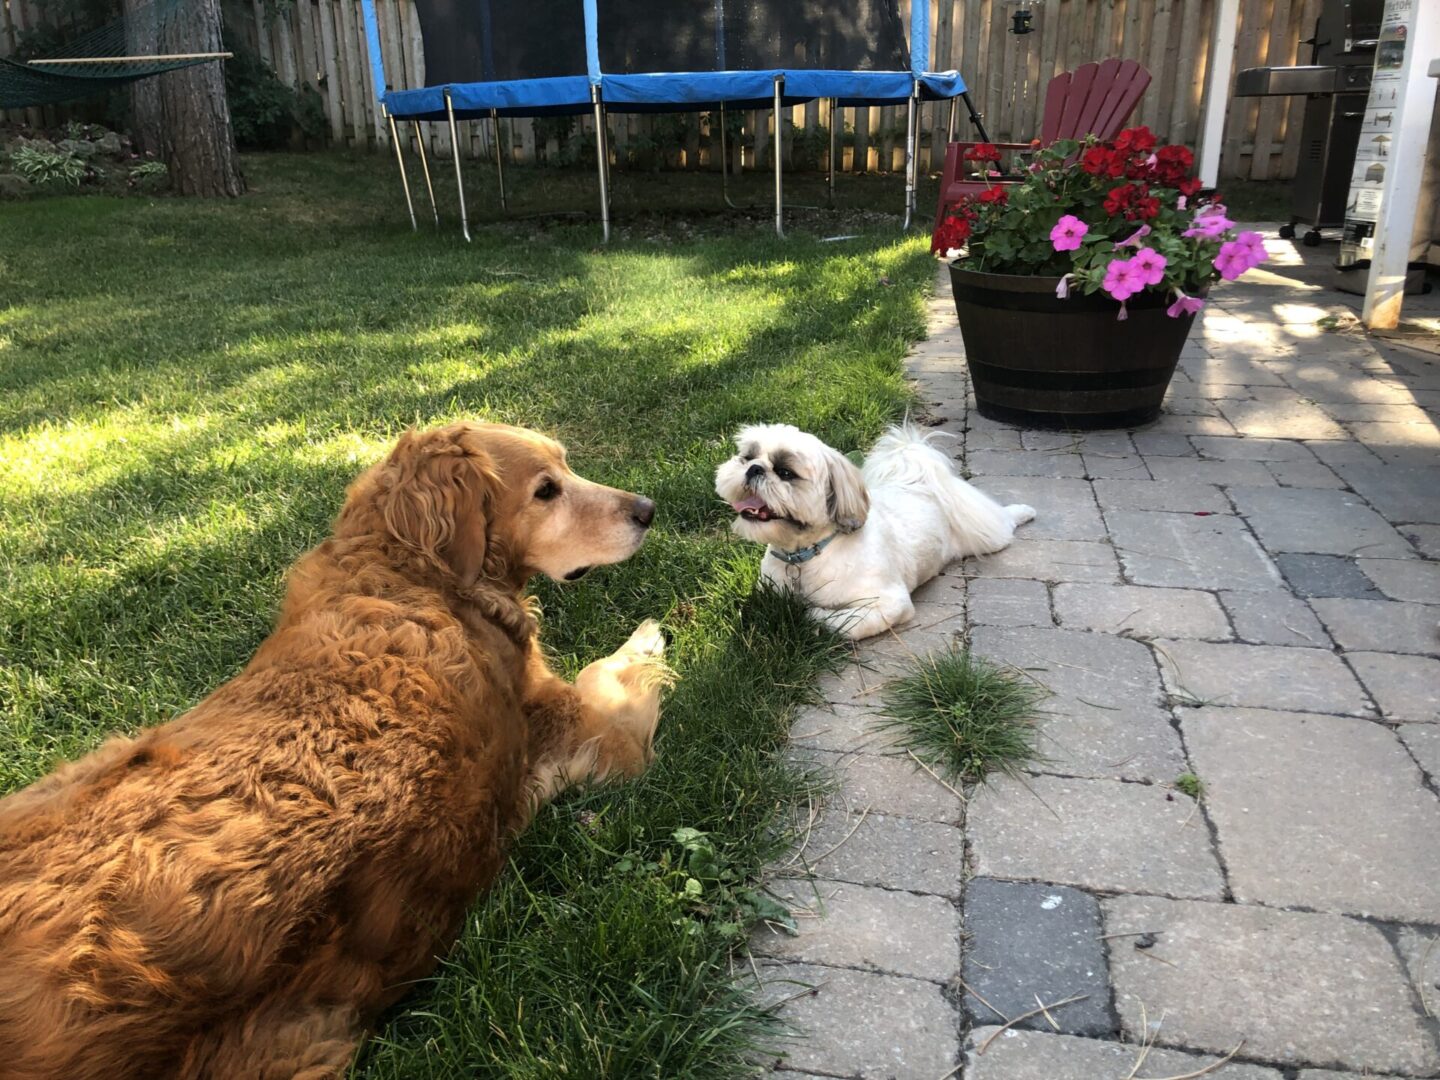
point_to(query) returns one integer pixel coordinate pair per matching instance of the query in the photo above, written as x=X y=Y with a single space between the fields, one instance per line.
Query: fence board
x=321 y=43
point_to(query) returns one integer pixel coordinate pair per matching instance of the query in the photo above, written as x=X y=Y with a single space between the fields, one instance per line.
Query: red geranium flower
x=952 y=233
x=1136 y=140
x=982 y=152
x=996 y=195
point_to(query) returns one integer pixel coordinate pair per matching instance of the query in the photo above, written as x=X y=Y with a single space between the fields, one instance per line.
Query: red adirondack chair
x=1094 y=99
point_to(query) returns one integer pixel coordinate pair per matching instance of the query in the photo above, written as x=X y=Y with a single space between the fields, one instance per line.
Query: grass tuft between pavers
x=186 y=388
x=965 y=716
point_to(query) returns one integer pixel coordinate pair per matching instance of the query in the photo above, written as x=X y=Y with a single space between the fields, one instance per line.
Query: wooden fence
x=321 y=43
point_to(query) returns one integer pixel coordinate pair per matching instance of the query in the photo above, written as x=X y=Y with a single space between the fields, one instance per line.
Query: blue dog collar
x=802 y=555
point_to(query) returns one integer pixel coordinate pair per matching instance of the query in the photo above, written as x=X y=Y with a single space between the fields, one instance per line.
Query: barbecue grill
x=1335 y=84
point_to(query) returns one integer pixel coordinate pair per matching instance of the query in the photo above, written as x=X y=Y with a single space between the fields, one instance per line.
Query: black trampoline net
x=496 y=40
x=750 y=35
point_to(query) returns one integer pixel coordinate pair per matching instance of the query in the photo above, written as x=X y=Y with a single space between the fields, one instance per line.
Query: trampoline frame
x=418 y=104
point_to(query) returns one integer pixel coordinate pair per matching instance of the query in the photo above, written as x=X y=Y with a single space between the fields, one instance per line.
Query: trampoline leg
x=950 y=123
x=911 y=112
x=404 y=180
x=602 y=151
x=499 y=160
x=833 y=150
x=455 y=154
x=779 y=192
x=724 y=163
x=425 y=165
x=974 y=116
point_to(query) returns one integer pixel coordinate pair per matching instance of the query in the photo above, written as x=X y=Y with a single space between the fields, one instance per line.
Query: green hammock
x=135 y=46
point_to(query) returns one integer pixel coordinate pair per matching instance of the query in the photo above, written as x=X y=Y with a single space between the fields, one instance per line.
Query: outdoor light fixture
x=1022 y=22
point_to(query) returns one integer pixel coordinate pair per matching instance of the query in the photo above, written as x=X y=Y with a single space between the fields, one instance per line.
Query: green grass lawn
x=187 y=387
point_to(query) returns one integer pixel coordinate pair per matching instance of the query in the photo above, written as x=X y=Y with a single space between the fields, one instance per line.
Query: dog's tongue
x=750 y=502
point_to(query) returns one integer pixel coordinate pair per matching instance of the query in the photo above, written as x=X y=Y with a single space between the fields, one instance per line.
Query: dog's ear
x=439 y=501
x=846 y=499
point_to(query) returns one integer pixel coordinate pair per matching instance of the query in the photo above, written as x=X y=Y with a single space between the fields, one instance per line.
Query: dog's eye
x=547 y=491
x=784 y=474
x=748 y=457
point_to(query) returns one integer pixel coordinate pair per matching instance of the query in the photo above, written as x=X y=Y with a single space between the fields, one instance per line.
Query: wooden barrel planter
x=1038 y=361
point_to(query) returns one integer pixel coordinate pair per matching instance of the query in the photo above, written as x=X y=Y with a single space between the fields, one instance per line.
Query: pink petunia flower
x=1151 y=265
x=1233 y=260
x=1254 y=247
x=1123 y=279
x=1133 y=240
x=1209 y=226
x=1184 y=305
x=1067 y=233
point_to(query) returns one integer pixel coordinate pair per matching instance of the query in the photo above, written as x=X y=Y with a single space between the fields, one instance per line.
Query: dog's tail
x=906 y=456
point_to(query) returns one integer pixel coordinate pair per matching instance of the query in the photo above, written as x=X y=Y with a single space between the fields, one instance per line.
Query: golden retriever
x=240 y=892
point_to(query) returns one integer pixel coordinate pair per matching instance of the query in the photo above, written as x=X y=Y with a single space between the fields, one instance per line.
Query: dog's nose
x=642 y=512
x=753 y=471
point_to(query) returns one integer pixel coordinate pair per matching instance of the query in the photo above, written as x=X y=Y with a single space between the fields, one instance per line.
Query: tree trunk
x=182 y=116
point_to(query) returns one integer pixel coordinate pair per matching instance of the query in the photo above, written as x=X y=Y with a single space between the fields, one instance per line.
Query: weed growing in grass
x=1189 y=784
x=964 y=715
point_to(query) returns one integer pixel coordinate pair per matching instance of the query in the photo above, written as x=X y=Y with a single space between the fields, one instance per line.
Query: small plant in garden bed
x=964 y=715
x=43 y=167
x=1122 y=217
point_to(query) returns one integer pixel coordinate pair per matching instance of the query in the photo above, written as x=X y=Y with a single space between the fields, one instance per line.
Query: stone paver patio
x=1249 y=590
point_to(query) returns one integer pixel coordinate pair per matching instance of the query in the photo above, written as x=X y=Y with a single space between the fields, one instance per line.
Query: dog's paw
x=647 y=640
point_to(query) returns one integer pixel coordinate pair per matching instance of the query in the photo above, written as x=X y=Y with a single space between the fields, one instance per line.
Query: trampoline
x=505 y=58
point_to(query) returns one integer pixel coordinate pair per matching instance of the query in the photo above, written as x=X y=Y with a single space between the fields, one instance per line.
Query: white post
x=1400 y=196
x=1217 y=89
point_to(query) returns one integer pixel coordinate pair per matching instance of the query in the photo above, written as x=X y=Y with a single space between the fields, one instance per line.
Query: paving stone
x=1323 y=380
x=1038 y=1055
x=1400 y=493
x=994 y=439
x=1299 y=988
x=1318 y=1074
x=1189 y=405
x=1278 y=420
x=1053 y=440
x=1251 y=449
x=1380 y=438
x=1180 y=424
x=1317 y=522
x=1162 y=444
x=1405 y=687
x=1391 y=413
x=1404 y=579
x=1327 y=575
x=1426 y=539
x=1224 y=366
x=1106 y=670
x=1419 y=949
x=1141 y=612
x=892 y=785
x=1319 y=812
x=1009 y=602
x=1275 y=618
x=1261 y=676
x=1381 y=625
x=1051 y=560
x=1065 y=509
x=863 y=927
x=862 y=1024
x=1105 y=467
x=894 y=852
x=1024 y=940
x=1304 y=474
x=1204 y=471
x=1345 y=451
x=987 y=463
x=1173 y=495
x=855 y=681
x=1188 y=551
x=844 y=728
x=1123 y=741
x=1097 y=834
x=1424 y=742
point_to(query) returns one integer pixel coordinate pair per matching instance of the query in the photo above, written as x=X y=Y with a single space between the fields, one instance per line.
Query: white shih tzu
x=856 y=542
